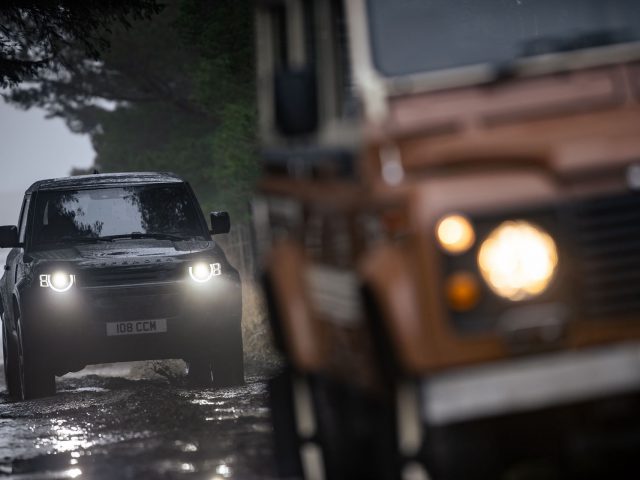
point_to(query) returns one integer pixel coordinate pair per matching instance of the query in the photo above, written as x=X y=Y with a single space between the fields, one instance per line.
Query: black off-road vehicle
x=117 y=267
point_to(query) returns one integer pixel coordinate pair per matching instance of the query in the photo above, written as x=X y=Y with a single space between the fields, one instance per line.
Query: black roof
x=105 y=180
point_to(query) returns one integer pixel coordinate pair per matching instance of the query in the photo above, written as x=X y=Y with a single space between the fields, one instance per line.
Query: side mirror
x=296 y=104
x=220 y=222
x=9 y=237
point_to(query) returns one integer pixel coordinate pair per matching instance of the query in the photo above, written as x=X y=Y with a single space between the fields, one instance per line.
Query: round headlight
x=61 y=281
x=455 y=234
x=201 y=272
x=518 y=260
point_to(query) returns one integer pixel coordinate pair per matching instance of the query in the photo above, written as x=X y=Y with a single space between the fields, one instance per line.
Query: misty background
x=34 y=147
x=137 y=86
x=161 y=87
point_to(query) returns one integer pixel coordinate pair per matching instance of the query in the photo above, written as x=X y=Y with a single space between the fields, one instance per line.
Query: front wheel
x=320 y=430
x=36 y=380
x=223 y=365
x=199 y=372
x=227 y=371
x=227 y=360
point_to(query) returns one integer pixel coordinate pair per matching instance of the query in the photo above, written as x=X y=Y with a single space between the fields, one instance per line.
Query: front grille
x=121 y=306
x=606 y=241
x=132 y=275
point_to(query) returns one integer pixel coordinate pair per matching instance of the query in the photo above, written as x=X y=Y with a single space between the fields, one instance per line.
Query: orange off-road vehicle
x=450 y=221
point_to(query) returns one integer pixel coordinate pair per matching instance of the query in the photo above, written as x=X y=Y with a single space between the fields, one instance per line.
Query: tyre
x=10 y=357
x=285 y=435
x=199 y=372
x=227 y=359
x=355 y=431
x=35 y=379
x=299 y=446
x=334 y=438
x=316 y=432
x=223 y=366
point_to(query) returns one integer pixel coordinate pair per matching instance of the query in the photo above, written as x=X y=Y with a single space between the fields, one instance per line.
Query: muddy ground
x=125 y=422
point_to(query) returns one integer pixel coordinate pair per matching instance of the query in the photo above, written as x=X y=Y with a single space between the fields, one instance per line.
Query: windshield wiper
x=557 y=44
x=139 y=235
x=74 y=239
x=595 y=38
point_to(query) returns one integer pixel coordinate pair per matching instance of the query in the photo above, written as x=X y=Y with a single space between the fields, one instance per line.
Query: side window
x=24 y=215
x=292 y=31
x=279 y=37
x=293 y=53
x=346 y=101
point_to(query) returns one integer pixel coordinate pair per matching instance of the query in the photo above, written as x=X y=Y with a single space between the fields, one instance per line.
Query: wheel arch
x=391 y=296
x=9 y=313
x=297 y=331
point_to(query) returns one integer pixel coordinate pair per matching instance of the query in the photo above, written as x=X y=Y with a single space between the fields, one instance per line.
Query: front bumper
x=530 y=384
x=70 y=328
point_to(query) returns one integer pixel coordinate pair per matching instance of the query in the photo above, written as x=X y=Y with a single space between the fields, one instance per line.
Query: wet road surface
x=111 y=423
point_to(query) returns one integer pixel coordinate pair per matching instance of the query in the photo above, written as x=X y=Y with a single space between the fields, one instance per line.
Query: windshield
x=411 y=36
x=70 y=216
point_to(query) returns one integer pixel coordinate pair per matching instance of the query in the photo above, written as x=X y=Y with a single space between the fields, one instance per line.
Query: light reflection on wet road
x=101 y=426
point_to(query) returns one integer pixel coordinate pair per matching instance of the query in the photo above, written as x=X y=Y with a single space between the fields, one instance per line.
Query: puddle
x=104 y=426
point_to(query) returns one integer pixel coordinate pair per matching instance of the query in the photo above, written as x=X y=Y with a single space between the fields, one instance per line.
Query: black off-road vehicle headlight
x=59 y=282
x=202 y=272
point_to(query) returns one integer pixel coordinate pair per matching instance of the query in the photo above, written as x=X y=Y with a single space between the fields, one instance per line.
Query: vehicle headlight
x=203 y=272
x=455 y=234
x=518 y=260
x=58 y=282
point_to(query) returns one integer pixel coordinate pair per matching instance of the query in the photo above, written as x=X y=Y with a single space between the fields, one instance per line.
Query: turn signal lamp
x=463 y=291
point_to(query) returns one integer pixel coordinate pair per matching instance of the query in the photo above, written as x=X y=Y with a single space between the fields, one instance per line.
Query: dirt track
x=122 y=422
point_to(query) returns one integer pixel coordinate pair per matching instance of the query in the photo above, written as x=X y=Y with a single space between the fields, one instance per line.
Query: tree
x=175 y=93
x=34 y=35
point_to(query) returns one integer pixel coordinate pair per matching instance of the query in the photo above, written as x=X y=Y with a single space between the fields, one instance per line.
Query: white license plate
x=137 y=327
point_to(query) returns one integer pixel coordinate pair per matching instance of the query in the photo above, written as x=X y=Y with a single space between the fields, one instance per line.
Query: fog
x=33 y=147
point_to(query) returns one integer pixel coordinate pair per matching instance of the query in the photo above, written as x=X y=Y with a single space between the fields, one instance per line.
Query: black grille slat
x=611 y=253
x=606 y=239
x=136 y=307
x=612 y=277
x=612 y=203
x=603 y=294
x=619 y=307
x=128 y=276
x=611 y=219
x=626 y=233
x=619 y=264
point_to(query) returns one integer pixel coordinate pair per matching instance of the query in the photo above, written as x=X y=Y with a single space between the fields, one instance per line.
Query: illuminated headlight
x=58 y=282
x=203 y=272
x=518 y=260
x=455 y=234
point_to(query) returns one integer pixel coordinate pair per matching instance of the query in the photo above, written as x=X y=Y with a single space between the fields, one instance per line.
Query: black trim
x=104 y=180
x=310 y=162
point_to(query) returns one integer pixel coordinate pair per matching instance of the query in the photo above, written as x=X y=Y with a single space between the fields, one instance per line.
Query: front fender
x=303 y=336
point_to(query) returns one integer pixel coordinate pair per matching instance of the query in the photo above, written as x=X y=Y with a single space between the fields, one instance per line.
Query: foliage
x=34 y=34
x=172 y=94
